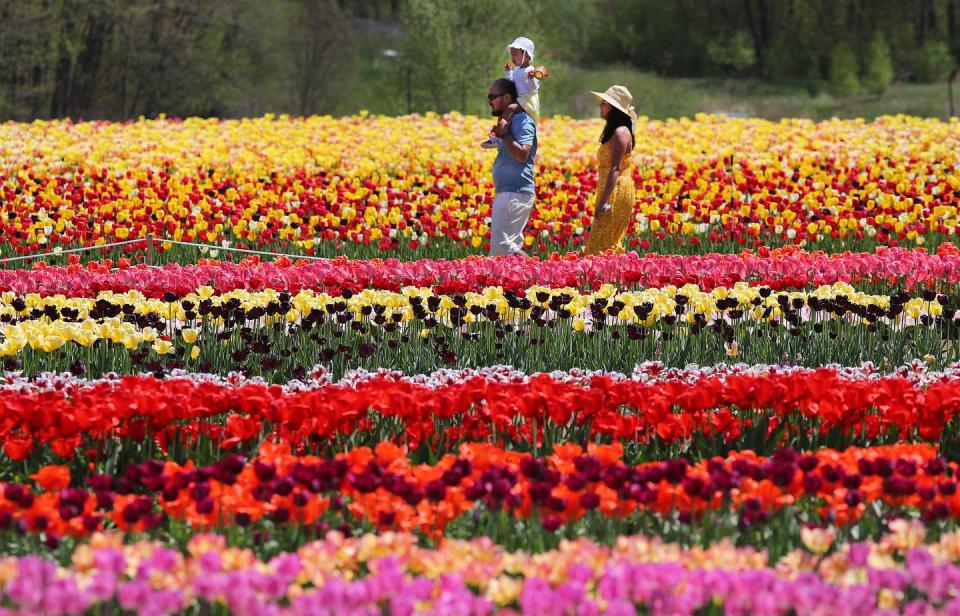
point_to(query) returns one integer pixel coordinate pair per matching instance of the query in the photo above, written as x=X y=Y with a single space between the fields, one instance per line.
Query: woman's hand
x=601 y=209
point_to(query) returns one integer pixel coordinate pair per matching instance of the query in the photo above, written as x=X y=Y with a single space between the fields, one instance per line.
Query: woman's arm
x=618 y=149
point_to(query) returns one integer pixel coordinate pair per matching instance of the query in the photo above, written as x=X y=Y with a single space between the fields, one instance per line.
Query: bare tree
x=322 y=34
x=26 y=52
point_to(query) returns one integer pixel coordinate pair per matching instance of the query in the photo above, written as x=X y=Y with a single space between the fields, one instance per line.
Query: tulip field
x=262 y=366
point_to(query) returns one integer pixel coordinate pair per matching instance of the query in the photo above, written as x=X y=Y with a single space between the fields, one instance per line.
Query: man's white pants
x=508 y=216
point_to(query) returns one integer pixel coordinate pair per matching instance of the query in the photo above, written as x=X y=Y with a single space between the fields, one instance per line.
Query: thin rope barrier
x=69 y=251
x=244 y=250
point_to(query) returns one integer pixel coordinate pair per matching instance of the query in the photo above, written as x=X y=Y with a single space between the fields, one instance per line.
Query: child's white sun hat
x=523 y=43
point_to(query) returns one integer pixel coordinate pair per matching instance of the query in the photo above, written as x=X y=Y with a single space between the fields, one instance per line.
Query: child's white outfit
x=528 y=87
x=528 y=90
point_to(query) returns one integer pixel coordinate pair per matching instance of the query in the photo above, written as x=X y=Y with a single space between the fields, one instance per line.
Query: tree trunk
x=87 y=67
x=758 y=30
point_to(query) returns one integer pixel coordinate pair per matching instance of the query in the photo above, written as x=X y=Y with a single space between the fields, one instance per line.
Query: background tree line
x=119 y=59
x=839 y=44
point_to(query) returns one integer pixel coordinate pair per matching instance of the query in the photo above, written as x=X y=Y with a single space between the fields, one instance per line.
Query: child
x=527 y=80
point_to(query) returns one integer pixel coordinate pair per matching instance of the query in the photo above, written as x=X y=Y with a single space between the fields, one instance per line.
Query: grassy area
x=379 y=85
x=774 y=102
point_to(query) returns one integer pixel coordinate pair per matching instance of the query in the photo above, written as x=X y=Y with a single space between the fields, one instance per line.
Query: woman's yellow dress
x=607 y=231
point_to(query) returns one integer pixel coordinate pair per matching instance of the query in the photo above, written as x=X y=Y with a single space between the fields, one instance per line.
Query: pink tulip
x=910 y=268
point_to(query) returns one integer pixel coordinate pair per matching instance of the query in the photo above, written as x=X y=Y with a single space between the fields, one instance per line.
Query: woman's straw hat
x=620 y=98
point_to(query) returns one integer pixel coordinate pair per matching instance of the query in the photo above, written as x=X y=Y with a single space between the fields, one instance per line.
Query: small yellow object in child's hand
x=540 y=72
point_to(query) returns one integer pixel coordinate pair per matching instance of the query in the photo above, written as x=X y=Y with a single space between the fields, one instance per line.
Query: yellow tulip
x=48 y=344
x=162 y=347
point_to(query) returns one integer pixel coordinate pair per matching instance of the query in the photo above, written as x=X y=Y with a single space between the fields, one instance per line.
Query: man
x=512 y=173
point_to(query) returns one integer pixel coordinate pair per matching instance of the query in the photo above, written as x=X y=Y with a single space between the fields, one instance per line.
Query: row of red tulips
x=474 y=409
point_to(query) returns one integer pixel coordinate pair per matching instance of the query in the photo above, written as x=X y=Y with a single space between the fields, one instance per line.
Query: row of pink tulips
x=777 y=269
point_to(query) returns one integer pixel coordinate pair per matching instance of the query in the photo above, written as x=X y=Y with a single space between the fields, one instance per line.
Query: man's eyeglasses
x=493 y=97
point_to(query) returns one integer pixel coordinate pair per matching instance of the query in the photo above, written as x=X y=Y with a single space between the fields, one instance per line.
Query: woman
x=613 y=207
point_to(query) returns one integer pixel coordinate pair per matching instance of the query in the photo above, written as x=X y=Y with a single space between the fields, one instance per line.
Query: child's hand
x=539 y=73
x=506 y=65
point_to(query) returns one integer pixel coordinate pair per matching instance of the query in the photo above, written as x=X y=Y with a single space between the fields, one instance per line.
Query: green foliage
x=933 y=62
x=843 y=79
x=113 y=59
x=563 y=29
x=877 y=66
x=658 y=36
x=116 y=60
x=456 y=48
x=733 y=53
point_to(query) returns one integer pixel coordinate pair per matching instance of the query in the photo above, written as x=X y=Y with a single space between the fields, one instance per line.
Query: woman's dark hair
x=616 y=119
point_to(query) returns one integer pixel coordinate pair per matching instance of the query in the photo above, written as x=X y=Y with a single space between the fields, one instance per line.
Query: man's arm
x=518 y=151
x=519 y=146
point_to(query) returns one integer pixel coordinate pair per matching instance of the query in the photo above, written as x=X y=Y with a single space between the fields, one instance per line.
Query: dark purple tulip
x=589 y=500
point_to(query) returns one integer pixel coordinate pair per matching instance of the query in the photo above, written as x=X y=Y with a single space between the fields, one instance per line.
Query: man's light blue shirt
x=509 y=175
